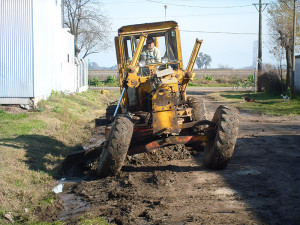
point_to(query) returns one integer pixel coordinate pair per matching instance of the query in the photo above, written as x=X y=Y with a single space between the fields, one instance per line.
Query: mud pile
x=163 y=154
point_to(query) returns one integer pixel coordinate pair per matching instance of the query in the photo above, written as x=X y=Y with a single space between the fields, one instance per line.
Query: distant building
x=36 y=52
x=297 y=75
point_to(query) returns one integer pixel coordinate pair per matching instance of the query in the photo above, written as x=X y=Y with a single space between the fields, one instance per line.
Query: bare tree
x=203 y=60
x=88 y=25
x=281 y=30
x=278 y=53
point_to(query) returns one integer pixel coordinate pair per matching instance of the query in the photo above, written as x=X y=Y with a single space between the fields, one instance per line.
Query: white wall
x=36 y=53
x=68 y=67
x=53 y=50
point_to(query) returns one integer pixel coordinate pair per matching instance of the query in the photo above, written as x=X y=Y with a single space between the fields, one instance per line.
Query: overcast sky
x=228 y=28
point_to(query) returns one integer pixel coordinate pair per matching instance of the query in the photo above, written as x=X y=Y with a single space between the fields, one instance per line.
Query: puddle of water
x=64 y=184
x=59 y=188
x=73 y=205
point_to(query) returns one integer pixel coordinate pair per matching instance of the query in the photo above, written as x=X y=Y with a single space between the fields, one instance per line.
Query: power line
x=122 y=2
x=216 y=14
x=193 y=6
x=217 y=32
x=209 y=32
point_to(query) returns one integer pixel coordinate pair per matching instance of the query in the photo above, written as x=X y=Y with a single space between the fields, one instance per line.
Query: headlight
x=142 y=63
x=164 y=60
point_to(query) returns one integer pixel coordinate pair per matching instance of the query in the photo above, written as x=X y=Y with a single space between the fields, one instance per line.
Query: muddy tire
x=198 y=114
x=198 y=108
x=115 y=147
x=220 y=147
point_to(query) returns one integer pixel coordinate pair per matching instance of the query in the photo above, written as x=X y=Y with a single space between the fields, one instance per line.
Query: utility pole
x=259 y=55
x=165 y=12
x=259 y=39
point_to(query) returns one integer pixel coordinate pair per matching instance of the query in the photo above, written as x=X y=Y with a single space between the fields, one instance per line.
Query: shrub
x=95 y=81
x=111 y=79
x=251 y=78
x=269 y=82
x=207 y=77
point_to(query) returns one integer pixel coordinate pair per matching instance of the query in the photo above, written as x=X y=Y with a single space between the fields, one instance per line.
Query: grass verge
x=202 y=82
x=33 y=145
x=265 y=103
x=196 y=82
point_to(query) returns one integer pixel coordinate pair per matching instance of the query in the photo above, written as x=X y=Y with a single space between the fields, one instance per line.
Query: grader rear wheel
x=115 y=147
x=220 y=147
x=198 y=114
x=198 y=108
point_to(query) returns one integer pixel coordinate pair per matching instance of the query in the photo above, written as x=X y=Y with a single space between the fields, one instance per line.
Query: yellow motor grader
x=154 y=110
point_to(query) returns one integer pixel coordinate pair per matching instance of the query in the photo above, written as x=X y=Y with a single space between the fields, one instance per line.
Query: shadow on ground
x=265 y=173
x=43 y=153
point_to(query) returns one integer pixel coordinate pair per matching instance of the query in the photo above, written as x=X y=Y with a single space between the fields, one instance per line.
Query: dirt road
x=261 y=184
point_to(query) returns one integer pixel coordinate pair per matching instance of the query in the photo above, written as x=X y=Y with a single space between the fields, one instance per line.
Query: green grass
x=203 y=82
x=21 y=124
x=210 y=82
x=192 y=84
x=265 y=103
x=34 y=144
x=110 y=81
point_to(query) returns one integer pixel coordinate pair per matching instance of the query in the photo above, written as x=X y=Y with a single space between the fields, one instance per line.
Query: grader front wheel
x=115 y=147
x=220 y=147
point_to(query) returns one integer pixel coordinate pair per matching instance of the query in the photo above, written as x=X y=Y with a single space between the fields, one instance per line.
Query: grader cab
x=154 y=110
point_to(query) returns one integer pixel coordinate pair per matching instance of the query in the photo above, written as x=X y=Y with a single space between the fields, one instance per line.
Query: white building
x=36 y=52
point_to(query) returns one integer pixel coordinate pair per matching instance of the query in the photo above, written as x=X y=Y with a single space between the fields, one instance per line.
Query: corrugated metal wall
x=16 y=48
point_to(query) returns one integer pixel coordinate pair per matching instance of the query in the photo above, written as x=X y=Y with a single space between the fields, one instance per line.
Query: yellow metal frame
x=165 y=115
